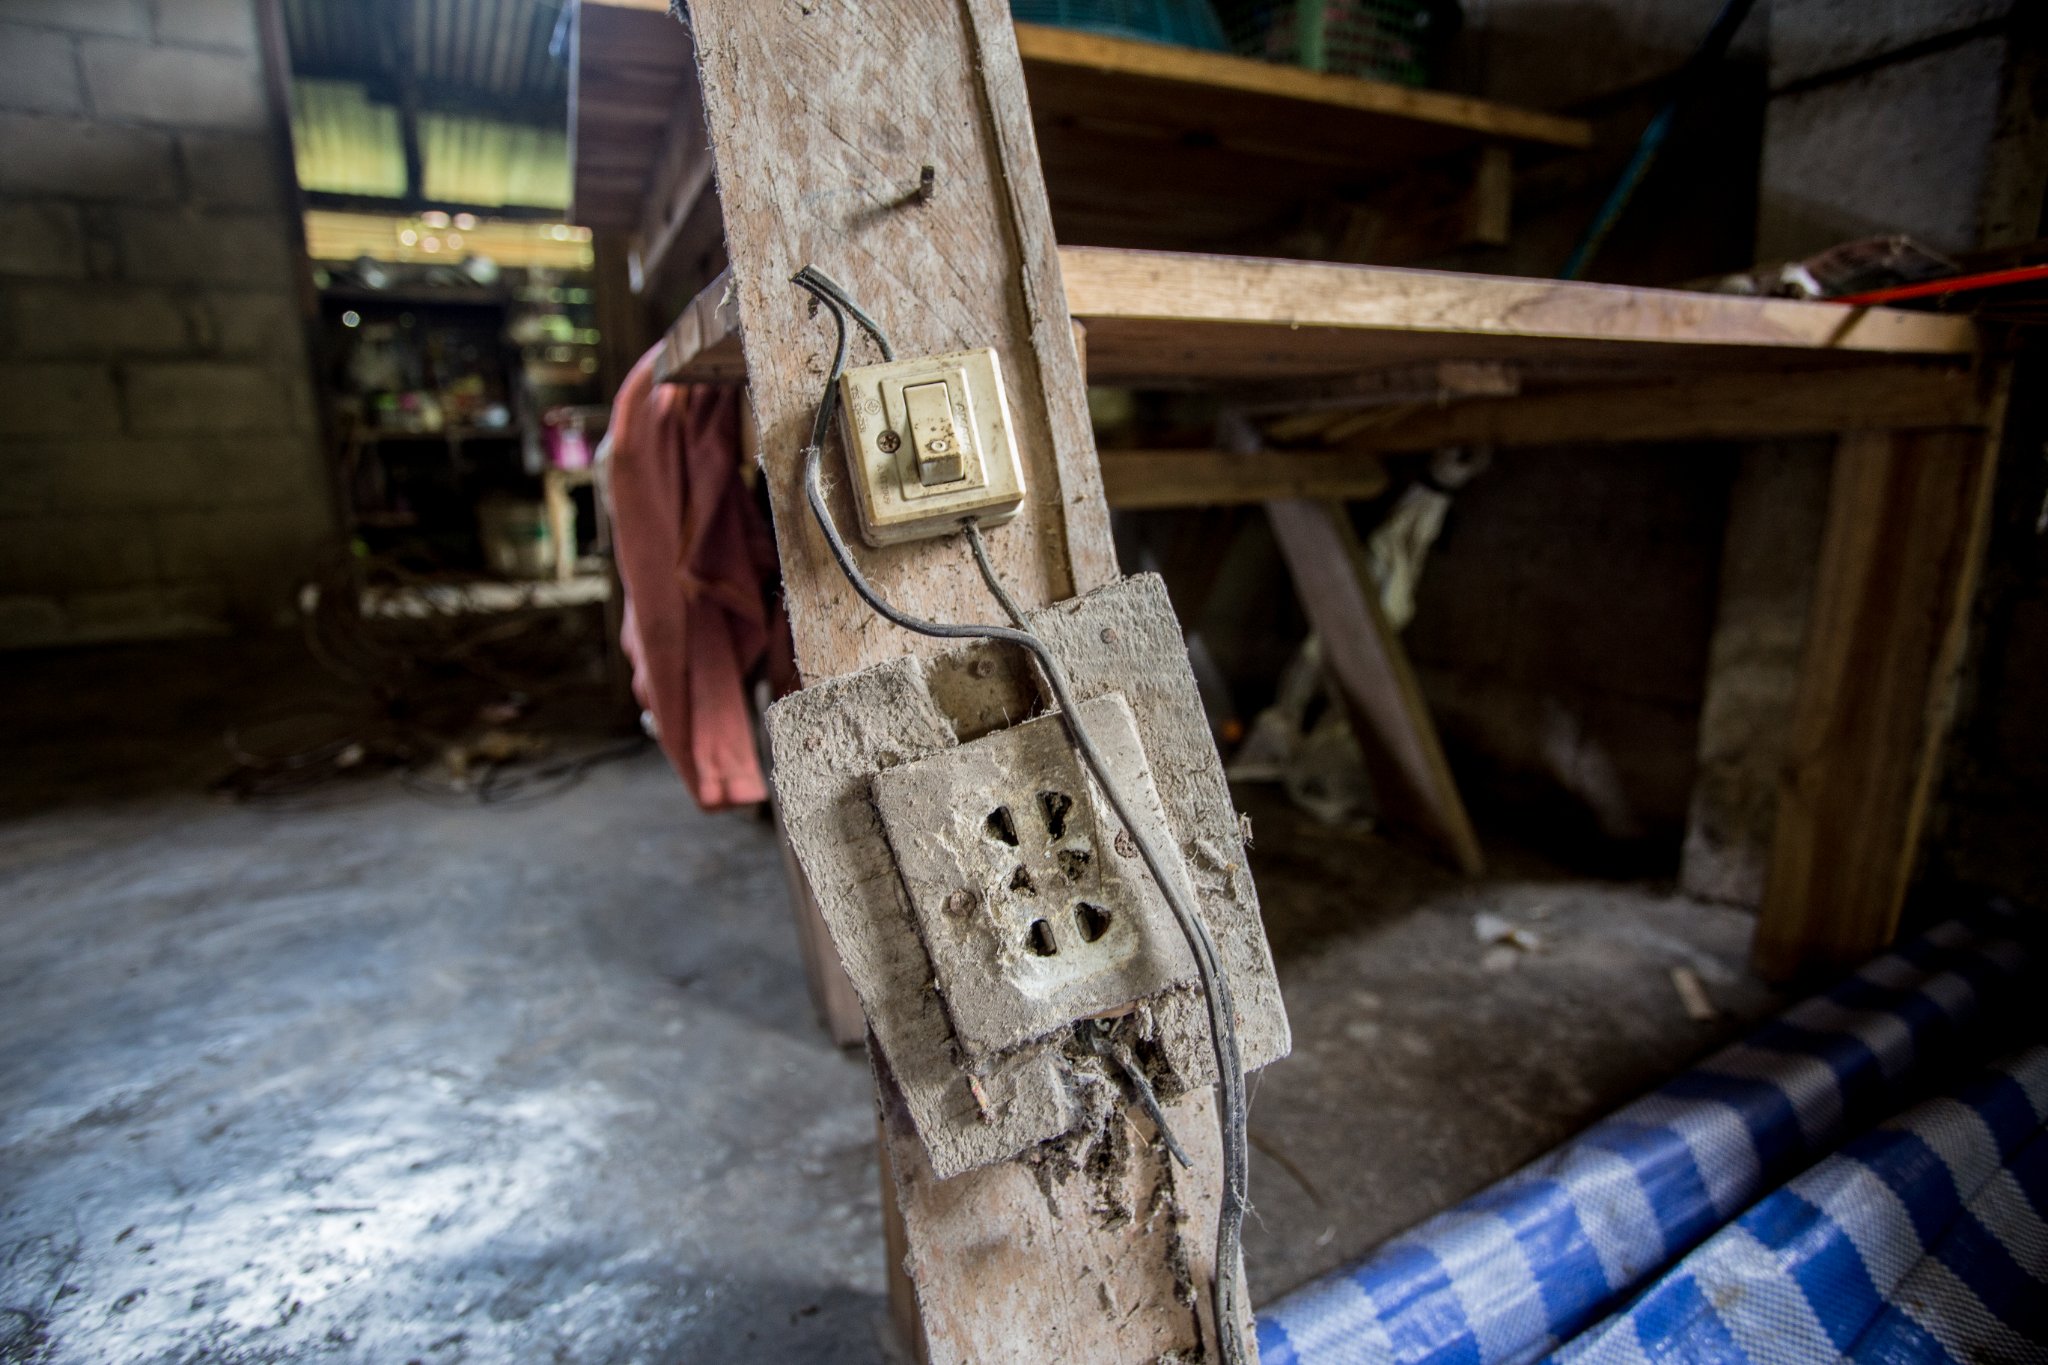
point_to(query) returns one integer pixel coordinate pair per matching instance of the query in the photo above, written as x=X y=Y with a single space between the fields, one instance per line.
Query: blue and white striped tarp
x=1539 y=1258
x=1920 y=1241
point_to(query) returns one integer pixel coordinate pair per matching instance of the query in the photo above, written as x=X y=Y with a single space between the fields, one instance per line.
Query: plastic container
x=516 y=539
x=1403 y=41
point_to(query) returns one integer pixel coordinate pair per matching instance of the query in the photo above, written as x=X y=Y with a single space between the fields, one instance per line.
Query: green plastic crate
x=1389 y=40
x=1187 y=23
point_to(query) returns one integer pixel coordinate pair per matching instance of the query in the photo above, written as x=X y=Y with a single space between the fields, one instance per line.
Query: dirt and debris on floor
x=372 y=1074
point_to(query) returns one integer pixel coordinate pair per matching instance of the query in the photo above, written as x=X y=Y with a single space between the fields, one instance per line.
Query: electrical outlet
x=929 y=442
x=1034 y=907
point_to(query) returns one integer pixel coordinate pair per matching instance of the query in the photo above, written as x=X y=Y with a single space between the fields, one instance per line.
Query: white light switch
x=929 y=443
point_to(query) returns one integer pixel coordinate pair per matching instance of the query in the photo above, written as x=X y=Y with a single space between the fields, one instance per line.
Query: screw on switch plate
x=1030 y=919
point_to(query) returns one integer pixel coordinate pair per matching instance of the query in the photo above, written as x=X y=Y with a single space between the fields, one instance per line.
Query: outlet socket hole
x=1040 y=940
x=1056 y=806
x=1074 y=863
x=1020 y=882
x=1001 y=827
x=1093 y=920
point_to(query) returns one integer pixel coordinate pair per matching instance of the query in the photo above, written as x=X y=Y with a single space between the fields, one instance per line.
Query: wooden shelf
x=1149 y=145
x=1168 y=318
x=1143 y=144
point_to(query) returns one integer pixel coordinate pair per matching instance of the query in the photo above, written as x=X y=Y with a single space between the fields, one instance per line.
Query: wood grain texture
x=1403 y=756
x=815 y=167
x=1219 y=478
x=628 y=65
x=1184 y=287
x=1907 y=517
x=1179 y=317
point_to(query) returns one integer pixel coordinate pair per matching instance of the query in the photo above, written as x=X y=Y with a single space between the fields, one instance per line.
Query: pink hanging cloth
x=699 y=569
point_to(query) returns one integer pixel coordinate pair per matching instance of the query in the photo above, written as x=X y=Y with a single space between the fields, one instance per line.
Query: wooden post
x=1907 y=517
x=822 y=120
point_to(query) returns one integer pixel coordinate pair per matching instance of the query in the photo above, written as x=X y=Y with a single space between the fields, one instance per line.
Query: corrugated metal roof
x=492 y=103
x=462 y=55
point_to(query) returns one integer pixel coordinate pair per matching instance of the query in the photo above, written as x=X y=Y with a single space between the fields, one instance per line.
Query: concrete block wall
x=160 y=471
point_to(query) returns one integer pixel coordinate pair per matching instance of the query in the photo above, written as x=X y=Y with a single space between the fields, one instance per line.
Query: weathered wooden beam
x=1403 y=756
x=1908 y=514
x=1283 y=315
x=1219 y=478
x=820 y=119
x=1173 y=316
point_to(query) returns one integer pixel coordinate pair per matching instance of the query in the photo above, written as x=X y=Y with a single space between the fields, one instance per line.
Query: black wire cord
x=1231 y=1107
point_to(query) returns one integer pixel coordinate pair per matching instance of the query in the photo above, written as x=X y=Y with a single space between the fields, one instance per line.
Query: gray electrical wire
x=1231 y=1105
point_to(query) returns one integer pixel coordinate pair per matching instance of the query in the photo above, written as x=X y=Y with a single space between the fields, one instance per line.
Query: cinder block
x=57 y=400
x=252 y=324
x=207 y=23
x=1812 y=37
x=122 y=18
x=243 y=547
x=30 y=621
x=184 y=247
x=101 y=321
x=162 y=474
x=232 y=170
x=29 y=476
x=1931 y=121
x=204 y=397
x=174 y=85
x=38 y=71
x=42 y=240
x=157 y=612
x=85 y=160
x=68 y=554
x=105 y=474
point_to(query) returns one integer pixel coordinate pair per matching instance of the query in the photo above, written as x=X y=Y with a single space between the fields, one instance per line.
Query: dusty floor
x=372 y=1075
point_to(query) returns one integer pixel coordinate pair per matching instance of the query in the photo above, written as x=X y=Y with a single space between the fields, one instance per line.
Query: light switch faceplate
x=929 y=442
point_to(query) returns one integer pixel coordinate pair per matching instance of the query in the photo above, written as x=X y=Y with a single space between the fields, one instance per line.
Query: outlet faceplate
x=928 y=442
x=1033 y=910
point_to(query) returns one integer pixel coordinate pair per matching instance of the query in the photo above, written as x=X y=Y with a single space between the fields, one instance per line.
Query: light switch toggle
x=935 y=441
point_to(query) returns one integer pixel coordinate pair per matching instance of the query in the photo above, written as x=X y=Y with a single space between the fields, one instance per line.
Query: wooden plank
x=627 y=66
x=1218 y=478
x=1728 y=406
x=1116 y=290
x=1908 y=514
x=820 y=118
x=1176 y=317
x=1090 y=75
x=1404 y=758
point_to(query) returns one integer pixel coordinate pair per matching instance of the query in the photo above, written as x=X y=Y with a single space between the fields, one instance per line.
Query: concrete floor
x=368 y=1075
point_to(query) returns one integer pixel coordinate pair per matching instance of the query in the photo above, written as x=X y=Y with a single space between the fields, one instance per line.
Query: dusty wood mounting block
x=939 y=838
